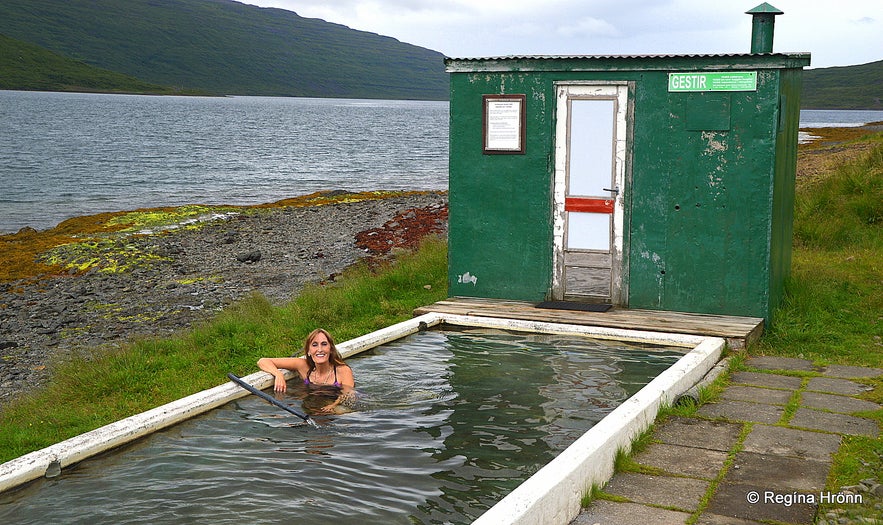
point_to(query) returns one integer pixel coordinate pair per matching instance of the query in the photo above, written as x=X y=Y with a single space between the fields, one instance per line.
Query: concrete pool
x=540 y=491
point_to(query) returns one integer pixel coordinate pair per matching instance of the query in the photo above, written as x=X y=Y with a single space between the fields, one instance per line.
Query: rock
x=249 y=257
x=230 y=238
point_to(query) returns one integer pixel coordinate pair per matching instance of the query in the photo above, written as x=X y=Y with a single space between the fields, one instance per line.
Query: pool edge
x=34 y=465
x=551 y=496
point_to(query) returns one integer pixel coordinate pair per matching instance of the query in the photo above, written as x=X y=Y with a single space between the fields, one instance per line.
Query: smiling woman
x=321 y=368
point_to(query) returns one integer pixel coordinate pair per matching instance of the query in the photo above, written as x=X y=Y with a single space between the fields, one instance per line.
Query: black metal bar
x=266 y=397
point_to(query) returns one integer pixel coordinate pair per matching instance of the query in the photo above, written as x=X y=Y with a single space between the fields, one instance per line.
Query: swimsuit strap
x=313 y=369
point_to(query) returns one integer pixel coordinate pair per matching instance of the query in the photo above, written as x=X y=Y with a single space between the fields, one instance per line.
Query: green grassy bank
x=833 y=313
x=833 y=309
x=90 y=391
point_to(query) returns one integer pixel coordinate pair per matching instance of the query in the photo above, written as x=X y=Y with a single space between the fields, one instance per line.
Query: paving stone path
x=762 y=464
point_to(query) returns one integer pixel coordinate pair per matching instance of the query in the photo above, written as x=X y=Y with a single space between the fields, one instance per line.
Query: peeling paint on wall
x=467 y=278
x=714 y=143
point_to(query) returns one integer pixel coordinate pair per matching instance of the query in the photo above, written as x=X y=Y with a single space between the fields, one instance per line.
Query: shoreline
x=830 y=147
x=126 y=284
x=114 y=284
x=25 y=251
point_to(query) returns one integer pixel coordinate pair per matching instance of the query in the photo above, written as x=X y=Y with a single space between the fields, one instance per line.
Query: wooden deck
x=739 y=332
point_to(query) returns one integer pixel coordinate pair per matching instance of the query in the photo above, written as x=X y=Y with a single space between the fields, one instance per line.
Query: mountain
x=30 y=67
x=849 y=87
x=227 y=48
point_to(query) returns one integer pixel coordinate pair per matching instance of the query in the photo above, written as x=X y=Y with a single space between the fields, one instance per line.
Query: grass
x=833 y=308
x=92 y=390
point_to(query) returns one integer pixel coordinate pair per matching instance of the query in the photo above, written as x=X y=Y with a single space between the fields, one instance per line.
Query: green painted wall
x=708 y=206
x=500 y=205
x=784 y=186
x=702 y=192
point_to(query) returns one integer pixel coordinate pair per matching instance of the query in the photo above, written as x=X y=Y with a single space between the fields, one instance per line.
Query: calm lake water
x=68 y=154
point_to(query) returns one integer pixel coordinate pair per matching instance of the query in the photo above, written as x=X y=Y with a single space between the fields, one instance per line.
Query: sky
x=836 y=33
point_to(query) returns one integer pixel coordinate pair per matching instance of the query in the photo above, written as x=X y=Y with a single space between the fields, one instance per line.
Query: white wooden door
x=590 y=164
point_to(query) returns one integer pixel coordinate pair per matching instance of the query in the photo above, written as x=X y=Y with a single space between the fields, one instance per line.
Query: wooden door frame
x=624 y=109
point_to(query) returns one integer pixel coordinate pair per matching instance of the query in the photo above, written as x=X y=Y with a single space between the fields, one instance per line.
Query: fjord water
x=68 y=154
x=838 y=118
x=448 y=422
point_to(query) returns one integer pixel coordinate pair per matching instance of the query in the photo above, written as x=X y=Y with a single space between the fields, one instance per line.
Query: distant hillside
x=227 y=47
x=850 y=87
x=30 y=67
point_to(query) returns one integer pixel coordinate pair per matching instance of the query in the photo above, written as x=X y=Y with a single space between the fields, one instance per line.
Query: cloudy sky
x=837 y=33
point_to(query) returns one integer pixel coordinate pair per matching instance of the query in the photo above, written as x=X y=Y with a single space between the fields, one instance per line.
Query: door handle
x=614 y=191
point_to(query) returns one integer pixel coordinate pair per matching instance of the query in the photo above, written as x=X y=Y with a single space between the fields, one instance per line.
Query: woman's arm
x=345 y=377
x=347 y=389
x=273 y=366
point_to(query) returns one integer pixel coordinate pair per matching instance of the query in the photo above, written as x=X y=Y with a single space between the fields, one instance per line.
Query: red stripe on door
x=588 y=205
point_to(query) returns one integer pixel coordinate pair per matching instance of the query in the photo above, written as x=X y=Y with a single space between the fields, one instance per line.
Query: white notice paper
x=503 y=125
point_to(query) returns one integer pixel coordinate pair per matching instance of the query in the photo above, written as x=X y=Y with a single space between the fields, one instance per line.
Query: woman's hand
x=328 y=409
x=277 y=366
x=280 y=384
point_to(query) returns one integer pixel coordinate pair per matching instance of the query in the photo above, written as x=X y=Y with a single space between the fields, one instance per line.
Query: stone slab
x=686 y=461
x=766 y=380
x=847 y=372
x=837 y=423
x=836 y=403
x=791 y=442
x=716 y=519
x=734 y=410
x=780 y=363
x=732 y=500
x=769 y=396
x=680 y=493
x=700 y=433
x=779 y=473
x=837 y=386
x=609 y=513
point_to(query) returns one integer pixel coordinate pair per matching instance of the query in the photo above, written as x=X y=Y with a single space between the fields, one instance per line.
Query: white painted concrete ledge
x=551 y=496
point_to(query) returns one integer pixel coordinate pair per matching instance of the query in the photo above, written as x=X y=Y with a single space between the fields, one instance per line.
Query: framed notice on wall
x=504 y=124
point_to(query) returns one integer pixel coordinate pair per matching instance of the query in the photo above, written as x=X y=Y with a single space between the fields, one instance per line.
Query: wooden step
x=739 y=332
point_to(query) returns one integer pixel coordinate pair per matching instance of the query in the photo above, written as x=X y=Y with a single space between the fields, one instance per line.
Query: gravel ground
x=196 y=274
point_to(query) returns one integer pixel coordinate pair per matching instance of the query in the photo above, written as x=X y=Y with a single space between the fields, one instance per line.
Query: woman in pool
x=321 y=368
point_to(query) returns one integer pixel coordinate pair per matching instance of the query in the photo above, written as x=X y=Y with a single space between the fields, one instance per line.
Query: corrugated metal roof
x=585 y=63
x=620 y=57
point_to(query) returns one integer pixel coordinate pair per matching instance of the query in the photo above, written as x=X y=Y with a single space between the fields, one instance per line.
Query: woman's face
x=320 y=348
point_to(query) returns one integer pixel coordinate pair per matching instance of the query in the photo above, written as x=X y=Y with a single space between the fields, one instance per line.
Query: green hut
x=643 y=181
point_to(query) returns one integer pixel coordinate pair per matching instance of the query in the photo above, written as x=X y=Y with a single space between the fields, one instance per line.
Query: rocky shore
x=189 y=274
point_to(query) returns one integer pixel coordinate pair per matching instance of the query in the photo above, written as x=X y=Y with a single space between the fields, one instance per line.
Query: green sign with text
x=716 y=81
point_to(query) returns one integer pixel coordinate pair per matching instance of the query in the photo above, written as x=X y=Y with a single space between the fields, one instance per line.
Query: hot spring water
x=446 y=424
